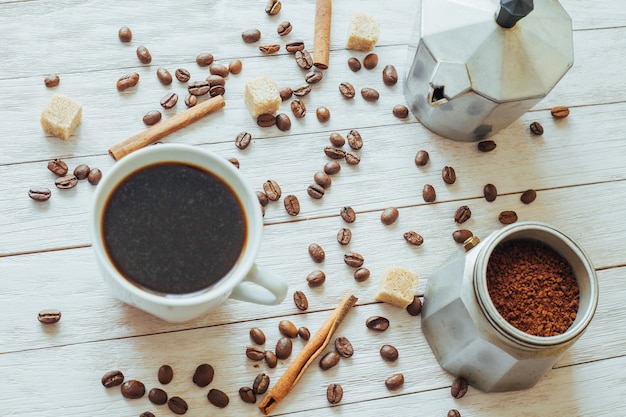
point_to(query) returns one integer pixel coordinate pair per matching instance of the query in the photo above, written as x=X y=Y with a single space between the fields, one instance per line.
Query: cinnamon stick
x=311 y=350
x=162 y=129
x=321 y=39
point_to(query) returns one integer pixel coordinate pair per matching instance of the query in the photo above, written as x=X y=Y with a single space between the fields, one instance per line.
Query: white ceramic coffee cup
x=245 y=281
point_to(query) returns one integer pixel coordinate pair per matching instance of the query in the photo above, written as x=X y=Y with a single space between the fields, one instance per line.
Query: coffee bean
x=347 y=90
x=157 y=396
x=182 y=75
x=334 y=153
x=218 y=398
x=294 y=46
x=355 y=141
x=314 y=76
x=377 y=323
x=507 y=217
x=169 y=100
x=217 y=90
x=273 y=7
x=316 y=252
x=400 y=111
x=389 y=215
x=263 y=200
x=462 y=235
x=413 y=238
x=454 y=413
x=58 y=167
x=354 y=64
x=164 y=76
x=528 y=196
x=203 y=375
x=133 y=389
x=66 y=182
x=390 y=75
x=329 y=360
x=462 y=214
x=247 y=395
x=112 y=379
x=269 y=48
x=348 y=214
x=177 y=405
x=486 y=145
x=448 y=175
x=266 y=120
x=459 y=387
x=315 y=191
x=125 y=34
x=127 y=81
x=198 y=88
x=255 y=353
x=284 y=28
x=421 y=158
x=152 y=117
x=332 y=167
x=251 y=35
x=81 y=171
x=323 y=179
x=257 y=335
x=304 y=333
x=361 y=274
x=285 y=93
x=219 y=69
x=272 y=189
x=536 y=128
x=283 y=122
x=147 y=414
x=344 y=235
x=323 y=114
x=353 y=259
x=415 y=308
x=287 y=328
x=337 y=140
x=51 y=80
x=235 y=66
x=428 y=193
x=143 y=55
x=39 y=193
x=344 y=347
x=243 y=140
x=283 y=348
x=394 y=382
x=270 y=359
x=369 y=94
x=204 y=59
x=334 y=393
x=559 y=112
x=352 y=158
x=261 y=384
x=300 y=300
x=389 y=353
x=191 y=100
x=298 y=108
x=304 y=59
x=316 y=278
x=490 y=192
x=165 y=374
x=370 y=61
x=302 y=91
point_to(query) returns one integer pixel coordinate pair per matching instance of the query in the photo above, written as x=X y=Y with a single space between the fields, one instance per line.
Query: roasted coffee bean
x=81 y=171
x=507 y=217
x=283 y=122
x=344 y=235
x=257 y=335
x=353 y=259
x=39 y=193
x=218 y=398
x=344 y=347
x=462 y=214
x=112 y=379
x=377 y=323
x=361 y=274
x=559 y=112
x=294 y=46
x=354 y=64
x=219 y=69
x=247 y=395
x=272 y=190
x=235 y=66
x=323 y=179
x=217 y=90
x=58 y=167
x=315 y=191
x=133 y=389
x=261 y=384
x=66 y=182
x=147 y=414
x=269 y=48
x=287 y=328
x=490 y=192
x=298 y=108
x=389 y=216
x=332 y=167
x=304 y=333
x=316 y=278
x=215 y=79
x=316 y=252
x=395 y=381
x=415 y=308
x=164 y=76
x=348 y=214
x=94 y=176
x=370 y=61
x=314 y=76
x=285 y=93
x=334 y=393
x=355 y=141
x=413 y=238
x=152 y=117
x=400 y=111
x=283 y=348
x=157 y=396
x=270 y=359
x=198 y=88
x=144 y=55
x=191 y=100
x=125 y=34
x=329 y=360
x=536 y=128
x=462 y=235
x=127 y=81
x=389 y=353
x=203 y=375
x=302 y=91
x=251 y=35
x=428 y=193
x=284 y=28
x=169 y=100
x=263 y=200
x=204 y=59
x=165 y=374
x=266 y=120
x=347 y=90
x=486 y=145
x=255 y=353
x=337 y=140
x=448 y=175
x=177 y=405
x=421 y=158
x=528 y=196
x=454 y=413
x=182 y=75
x=273 y=7
x=459 y=387
x=334 y=153
x=51 y=80
x=323 y=114
x=300 y=300
x=304 y=59
x=243 y=140
x=369 y=94
x=390 y=75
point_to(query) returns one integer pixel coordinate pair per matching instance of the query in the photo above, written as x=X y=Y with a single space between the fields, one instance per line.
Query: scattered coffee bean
x=157 y=396
x=58 y=167
x=421 y=158
x=507 y=217
x=112 y=379
x=182 y=75
x=270 y=359
x=287 y=328
x=303 y=59
x=164 y=76
x=133 y=389
x=266 y=120
x=369 y=94
x=143 y=54
x=528 y=196
x=283 y=122
x=269 y=48
x=332 y=167
x=235 y=66
x=300 y=300
x=323 y=114
x=344 y=235
x=204 y=59
x=298 y=108
x=459 y=387
x=352 y=158
x=152 y=117
x=66 y=182
x=191 y=100
x=219 y=69
x=94 y=176
x=243 y=140
x=261 y=384
x=283 y=348
x=355 y=141
x=448 y=175
x=177 y=405
x=247 y=395
x=490 y=192
x=428 y=193
x=285 y=93
x=334 y=153
x=272 y=190
x=304 y=333
x=294 y=46
x=255 y=353
x=361 y=274
x=165 y=374
x=217 y=90
x=218 y=398
x=284 y=28
x=462 y=235
x=314 y=76
x=415 y=308
x=559 y=112
x=329 y=360
x=316 y=252
x=462 y=214
x=203 y=375
x=389 y=215
x=536 y=128
x=316 y=278
x=370 y=61
x=51 y=80
x=389 y=353
x=125 y=34
x=263 y=200
x=486 y=145
x=348 y=214
x=273 y=7
x=302 y=91
x=413 y=238
x=454 y=413
x=147 y=414
x=169 y=100
x=390 y=75
x=81 y=171
x=39 y=193
x=395 y=381
x=127 y=81
x=198 y=88
x=353 y=259
x=334 y=393
x=337 y=140
x=400 y=111
x=323 y=179
x=315 y=191
x=354 y=64
x=347 y=90
x=257 y=336
x=343 y=347
x=251 y=35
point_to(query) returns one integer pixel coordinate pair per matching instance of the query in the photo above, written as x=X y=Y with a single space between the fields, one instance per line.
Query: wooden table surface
x=577 y=167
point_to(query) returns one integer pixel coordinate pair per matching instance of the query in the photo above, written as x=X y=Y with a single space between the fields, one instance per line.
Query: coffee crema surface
x=173 y=228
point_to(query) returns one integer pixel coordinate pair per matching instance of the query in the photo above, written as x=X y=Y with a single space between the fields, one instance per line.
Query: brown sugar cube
x=262 y=96
x=397 y=287
x=363 y=32
x=61 y=116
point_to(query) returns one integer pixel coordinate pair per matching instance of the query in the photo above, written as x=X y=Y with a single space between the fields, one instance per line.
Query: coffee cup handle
x=273 y=289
